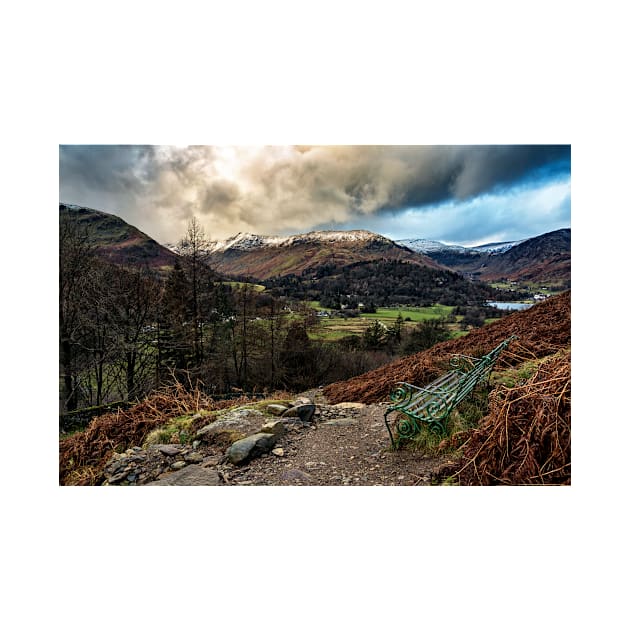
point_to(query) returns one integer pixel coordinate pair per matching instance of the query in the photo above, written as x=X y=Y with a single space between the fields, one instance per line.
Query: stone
x=278 y=452
x=192 y=475
x=302 y=400
x=250 y=447
x=179 y=464
x=232 y=426
x=303 y=412
x=276 y=410
x=212 y=460
x=276 y=427
x=193 y=458
x=169 y=449
x=117 y=477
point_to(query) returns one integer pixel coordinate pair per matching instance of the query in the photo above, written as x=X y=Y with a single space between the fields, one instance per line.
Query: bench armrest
x=463 y=361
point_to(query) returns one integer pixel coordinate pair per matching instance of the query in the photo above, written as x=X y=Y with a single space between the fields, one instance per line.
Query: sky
x=457 y=194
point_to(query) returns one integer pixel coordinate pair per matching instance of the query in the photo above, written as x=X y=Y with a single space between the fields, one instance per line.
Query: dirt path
x=345 y=447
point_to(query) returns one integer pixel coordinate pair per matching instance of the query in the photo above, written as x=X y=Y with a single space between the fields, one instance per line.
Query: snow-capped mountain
x=262 y=257
x=497 y=248
x=426 y=246
x=246 y=241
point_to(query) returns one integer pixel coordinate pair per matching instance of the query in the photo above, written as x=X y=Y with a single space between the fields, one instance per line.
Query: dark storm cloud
x=106 y=168
x=440 y=173
x=280 y=189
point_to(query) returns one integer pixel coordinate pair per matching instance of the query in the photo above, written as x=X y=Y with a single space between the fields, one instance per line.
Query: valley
x=335 y=313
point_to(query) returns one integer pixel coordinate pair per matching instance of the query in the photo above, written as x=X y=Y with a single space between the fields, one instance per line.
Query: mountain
x=545 y=258
x=541 y=259
x=264 y=257
x=426 y=246
x=118 y=242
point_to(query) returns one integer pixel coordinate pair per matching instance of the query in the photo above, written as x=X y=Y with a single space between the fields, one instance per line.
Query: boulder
x=304 y=412
x=302 y=400
x=169 y=449
x=250 y=447
x=231 y=426
x=276 y=427
x=192 y=475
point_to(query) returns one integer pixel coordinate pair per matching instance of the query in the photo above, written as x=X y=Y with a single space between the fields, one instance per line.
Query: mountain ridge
x=117 y=241
x=263 y=257
x=545 y=258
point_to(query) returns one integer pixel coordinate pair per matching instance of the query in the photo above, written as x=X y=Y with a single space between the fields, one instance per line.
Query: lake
x=507 y=306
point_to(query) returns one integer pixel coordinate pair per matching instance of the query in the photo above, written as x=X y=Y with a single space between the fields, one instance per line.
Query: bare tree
x=76 y=264
x=193 y=249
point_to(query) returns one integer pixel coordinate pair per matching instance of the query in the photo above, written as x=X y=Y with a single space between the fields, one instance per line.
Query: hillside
x=386 y=282
x=118 y=242
x=544 y=259
x=264 y=257
x=542 y=330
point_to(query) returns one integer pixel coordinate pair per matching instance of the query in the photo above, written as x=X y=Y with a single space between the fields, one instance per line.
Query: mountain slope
x=264 y=257
x=545 y=258
x=541 y=259
x=118 y=242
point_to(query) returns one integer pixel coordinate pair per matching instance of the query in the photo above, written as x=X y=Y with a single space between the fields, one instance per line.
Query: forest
x=126 y=330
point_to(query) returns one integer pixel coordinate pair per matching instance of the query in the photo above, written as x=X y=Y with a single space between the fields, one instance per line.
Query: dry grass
x=83 y=456
x=542 y=331
x=526 y=437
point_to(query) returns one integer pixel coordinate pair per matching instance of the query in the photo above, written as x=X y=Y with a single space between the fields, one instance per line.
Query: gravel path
x=345 y=447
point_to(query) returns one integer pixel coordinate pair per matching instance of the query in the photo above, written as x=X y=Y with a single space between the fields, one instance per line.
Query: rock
x=169 y=449
x=192 y=475
x=302 y=400
x=179 y=464
x=117 y=477
x=232 y=426
x=276 y=410
x=220 y=435
x=278 y=452
x=276 y=427
x=250 y=447
x=303 y=412
x=193 y=458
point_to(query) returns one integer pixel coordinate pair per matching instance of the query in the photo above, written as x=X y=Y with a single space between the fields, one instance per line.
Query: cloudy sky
x=456 y=194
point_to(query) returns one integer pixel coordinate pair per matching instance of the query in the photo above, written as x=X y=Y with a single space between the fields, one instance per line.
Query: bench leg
x=391 y=437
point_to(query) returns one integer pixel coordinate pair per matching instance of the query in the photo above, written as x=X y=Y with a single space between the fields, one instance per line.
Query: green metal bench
x=433 y=403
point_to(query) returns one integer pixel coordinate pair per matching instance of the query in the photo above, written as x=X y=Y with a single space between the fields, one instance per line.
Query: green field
x=414 y=313
x=335 y=328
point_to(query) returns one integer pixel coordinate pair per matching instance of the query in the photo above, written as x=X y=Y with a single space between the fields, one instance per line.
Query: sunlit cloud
x=452 y=193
